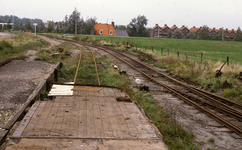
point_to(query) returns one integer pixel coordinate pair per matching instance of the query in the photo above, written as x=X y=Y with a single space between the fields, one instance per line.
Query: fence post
x=168 y=51
x=161 y=51
x=152 y=48
x=227 y=61
x=127 y=44
x=178 y=54
x=145 y=47
x=136 y=46
x=201 y=57
x=186 y=56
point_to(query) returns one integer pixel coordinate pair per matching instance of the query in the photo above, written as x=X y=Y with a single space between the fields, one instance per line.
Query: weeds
x=211 y=140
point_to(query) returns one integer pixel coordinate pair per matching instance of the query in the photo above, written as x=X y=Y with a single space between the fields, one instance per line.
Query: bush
x=230 y=93
x=5 y=45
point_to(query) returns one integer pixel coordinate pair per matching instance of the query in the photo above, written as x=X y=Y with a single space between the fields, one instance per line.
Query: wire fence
x=199 y=56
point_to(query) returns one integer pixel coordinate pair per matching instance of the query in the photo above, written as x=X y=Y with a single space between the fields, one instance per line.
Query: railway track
x=225 y=111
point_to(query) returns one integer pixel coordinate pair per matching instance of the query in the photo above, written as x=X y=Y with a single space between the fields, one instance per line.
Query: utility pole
x=75 y=27
x=35 y=24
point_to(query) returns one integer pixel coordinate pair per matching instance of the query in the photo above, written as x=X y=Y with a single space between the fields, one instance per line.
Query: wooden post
x=127 y=44
x=161 y=51
x=145 y=47
x=186 y=56
x=178 y=54
x=201 y=57
x=227 y=61
x=136 y=46
x=168 y=51
x=152 y=48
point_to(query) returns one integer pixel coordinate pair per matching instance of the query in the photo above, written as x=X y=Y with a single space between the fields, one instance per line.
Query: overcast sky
x=213 y=13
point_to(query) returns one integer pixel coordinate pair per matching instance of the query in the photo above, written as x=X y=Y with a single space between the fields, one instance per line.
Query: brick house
x=173 y=28
x=184 y=30
x=163 y=31
x=195 y=30
x=103 y=29
x=229 y=33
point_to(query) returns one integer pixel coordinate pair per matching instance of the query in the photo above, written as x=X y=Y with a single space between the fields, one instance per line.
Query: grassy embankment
x=17 y=46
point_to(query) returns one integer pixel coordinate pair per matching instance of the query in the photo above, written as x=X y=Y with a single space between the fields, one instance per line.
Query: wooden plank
x=65 y=128
x=121 y=120
x=75 y=117
x=33 y=122
x=107 y=127
x=111 y=92
x=129 y=121
x=97 y=119
x=82 y=126
x=40 y=128
x=114 y=121
x=20 y=129
x=138 y=123
x=56 y=129
x=90 y=120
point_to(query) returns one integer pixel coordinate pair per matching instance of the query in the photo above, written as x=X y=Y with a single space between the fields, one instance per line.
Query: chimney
x=156 y=24
x=194 y=27
x=165 y=25
x=112 y=23
x=232 y=29
x=174 y=25
x=213 y=27
x=183 y=25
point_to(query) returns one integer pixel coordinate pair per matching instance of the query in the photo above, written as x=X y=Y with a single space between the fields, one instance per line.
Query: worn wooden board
x=58 y=90
x=87 y=144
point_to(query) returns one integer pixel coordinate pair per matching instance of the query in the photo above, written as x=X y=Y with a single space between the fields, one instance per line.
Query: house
x=213 y=32
x=159 y=32
x=173 y=28
x=103 y=29
x=184 y=30
x=195 y=30
x=229 y=33
x=108 y=30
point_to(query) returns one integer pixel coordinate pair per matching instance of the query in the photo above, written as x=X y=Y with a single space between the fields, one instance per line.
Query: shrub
x=177 y=34
x=5 y=45
x=230 y=93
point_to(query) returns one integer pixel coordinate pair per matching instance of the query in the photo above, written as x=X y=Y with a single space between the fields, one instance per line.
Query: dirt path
x=6 y=35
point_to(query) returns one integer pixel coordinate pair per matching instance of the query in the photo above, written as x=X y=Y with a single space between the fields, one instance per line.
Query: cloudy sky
x=213 y=13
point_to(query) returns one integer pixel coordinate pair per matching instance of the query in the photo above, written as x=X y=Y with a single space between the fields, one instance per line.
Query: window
x=215 y=33
x=160 y=29
x=110 y=32
x=169 y=30
x=155 y=29
x=100 y=31
x=156 y=33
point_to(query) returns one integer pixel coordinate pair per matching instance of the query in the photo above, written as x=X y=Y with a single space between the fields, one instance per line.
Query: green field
x=212 y=50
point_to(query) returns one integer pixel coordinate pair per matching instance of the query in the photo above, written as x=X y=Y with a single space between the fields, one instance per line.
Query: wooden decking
x=93 y=116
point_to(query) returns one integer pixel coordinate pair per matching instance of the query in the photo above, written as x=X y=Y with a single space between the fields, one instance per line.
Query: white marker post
x=35 y=24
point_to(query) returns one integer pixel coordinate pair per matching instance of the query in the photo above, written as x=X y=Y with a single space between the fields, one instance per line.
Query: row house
x=195 y=30
x=213 y=31
x=229 y=33
x=159 y=32
x=184 y=30
x=162 y=32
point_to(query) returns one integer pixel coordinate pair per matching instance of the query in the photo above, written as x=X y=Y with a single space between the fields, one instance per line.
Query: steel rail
x=78 y=64
x=216 y=117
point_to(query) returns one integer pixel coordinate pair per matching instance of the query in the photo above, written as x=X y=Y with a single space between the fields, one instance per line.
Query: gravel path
x=17 y=81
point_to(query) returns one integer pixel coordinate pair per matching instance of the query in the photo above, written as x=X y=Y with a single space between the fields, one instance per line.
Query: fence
x=199 y=56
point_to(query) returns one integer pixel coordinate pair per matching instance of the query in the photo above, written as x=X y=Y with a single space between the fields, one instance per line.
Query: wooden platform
x=96 y=116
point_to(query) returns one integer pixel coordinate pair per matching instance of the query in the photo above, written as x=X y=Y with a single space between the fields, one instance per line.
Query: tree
x=50 y=26
x=28 y=26
x=169 y=34
x=121 y=27
x=191 y=35
x=238 y=36
x=203 y=35
x=137 y=26
x=8 y=25
x=74 y=20
x=177 y=34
